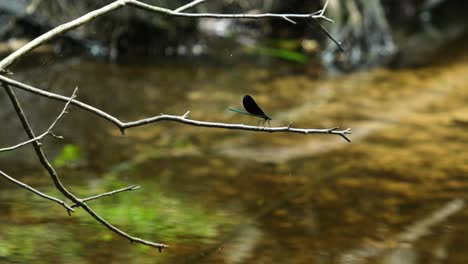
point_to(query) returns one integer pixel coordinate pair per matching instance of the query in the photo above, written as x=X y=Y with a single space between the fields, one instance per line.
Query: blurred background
x=396 y=194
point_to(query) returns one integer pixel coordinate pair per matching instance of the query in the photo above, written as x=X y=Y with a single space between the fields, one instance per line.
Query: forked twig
x=129 y=188
x=48 y=130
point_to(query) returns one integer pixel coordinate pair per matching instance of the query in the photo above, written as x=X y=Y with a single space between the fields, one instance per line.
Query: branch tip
x=55 y=136
x=289 y=20
x=161 y=247
x=101 y=195
x=345 y=137
x=70 y=210
x=337 y=43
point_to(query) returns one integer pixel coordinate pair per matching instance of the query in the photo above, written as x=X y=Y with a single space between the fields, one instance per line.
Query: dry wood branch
x=129 y=188
x=170 y=12
x=121 y=3
x=55 y=178
x=184 y=120
x=180 y=119
x=41 y=194
x=48 y=131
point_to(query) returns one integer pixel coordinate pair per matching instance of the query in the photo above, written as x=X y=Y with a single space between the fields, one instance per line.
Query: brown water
x=396 y=194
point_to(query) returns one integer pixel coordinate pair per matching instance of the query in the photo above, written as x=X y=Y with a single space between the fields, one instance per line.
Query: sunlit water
x=396 y=194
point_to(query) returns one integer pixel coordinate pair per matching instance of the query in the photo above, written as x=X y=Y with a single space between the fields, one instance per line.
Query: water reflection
x=239 y=197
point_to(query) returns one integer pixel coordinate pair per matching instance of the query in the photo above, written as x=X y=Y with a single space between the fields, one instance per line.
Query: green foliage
x=69 y=156
x=149 y=213
x=157 y=213
x=282 y=49
x=30 y=243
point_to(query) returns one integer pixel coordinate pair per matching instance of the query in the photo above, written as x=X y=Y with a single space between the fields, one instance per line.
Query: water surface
x=396 y=194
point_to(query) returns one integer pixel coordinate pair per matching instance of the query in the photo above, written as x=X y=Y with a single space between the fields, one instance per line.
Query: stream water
x=396 y=194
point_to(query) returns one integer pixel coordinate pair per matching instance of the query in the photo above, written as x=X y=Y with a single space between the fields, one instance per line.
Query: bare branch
x=57 y=31
x=55 y=178
x=48 y=131
x=151 y=8
x=182 y=119
x=41 y=194
x=157 y=9
x=189 y=5
x=129 y=188
x=162 y=117
x=330 y=36
x=58 y=97
x=121 y=3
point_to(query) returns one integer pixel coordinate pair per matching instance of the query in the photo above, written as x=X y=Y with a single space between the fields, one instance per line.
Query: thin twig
x=189 y=5
x=48 y=131
x=129 y=188
x=162 y=117
x=55 y=136
x=337 y=43
x=41 y=194
x=55 y=178
x=290 y=20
